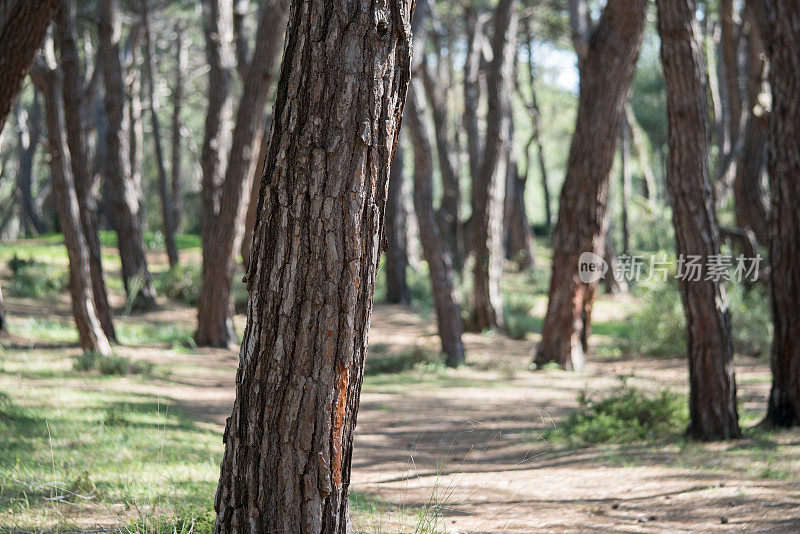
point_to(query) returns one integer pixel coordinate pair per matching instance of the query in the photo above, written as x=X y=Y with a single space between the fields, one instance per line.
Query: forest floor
x=437 y=450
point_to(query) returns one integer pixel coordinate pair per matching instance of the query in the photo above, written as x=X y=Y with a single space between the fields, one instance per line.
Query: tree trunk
x=606 y=77
x=638 y=136
x=397 y=291
x=29 y=132
x=90 y=332
x=22 y=29
x=712 y=387
x=445 y=297
x=488 y=195
x=252 y=203
x=780 y=23
x=215 y=325
x=625 y=184
x=518 y=235
x=472 y=94
x=289 y=445
x=123 y=201
x=3 y=323
x=168 y=225
x=135 y=127
x=177 y=104
x=74 y=112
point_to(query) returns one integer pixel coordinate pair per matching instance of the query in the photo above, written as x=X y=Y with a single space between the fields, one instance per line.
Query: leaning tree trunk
x=489 y=191
x=289 y=440
x=90 y=332
x=606 y=76
x=445 y=297
x=177 y=106
x=74 y=111
x=214 y=321
x=397 y=291
x=22 y=29
x=712 y=387
x=168 y=224
x=123 y=202
x=780 y=23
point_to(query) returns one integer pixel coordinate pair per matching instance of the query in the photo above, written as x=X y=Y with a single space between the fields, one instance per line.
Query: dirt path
x=475 y=443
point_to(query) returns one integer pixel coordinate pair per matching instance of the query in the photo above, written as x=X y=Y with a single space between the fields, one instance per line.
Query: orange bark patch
x=338 y=422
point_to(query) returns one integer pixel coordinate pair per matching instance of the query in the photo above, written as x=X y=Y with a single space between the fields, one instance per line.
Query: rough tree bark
x=448 y=314
x=167 y=212
x=73 y=92
x=712 y=387
x=90 y=332
x=214 y=321
x=29 y=132
x=177 y=106
x=488 y=193
x=780 y=23
x=23 y=25
x=123 y=201
x=397 y=291
x=289 y=440
x=605 y=80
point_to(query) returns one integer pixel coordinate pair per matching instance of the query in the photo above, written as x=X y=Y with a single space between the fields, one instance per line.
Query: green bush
x=34 y=279
x=379 y=363
x=182 y=283
x=625 y=415
x=111 y=365
x=658 y=327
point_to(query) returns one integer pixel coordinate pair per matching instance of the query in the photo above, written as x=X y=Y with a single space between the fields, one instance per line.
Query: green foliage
x=379 y=362
x=34 y=279
x=518 y=316
x=189 y=522
x=751 y=320
x=111 y=365
x=182 y=282
x=625 y=415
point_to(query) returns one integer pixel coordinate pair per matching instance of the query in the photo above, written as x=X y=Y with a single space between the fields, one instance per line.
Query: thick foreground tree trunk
x=123 y=200
x=167 y=212
x=712 y=388
x=448 y=314
x=780 y=22
x=22 y=27
x=606 y=76
x=397 y=291
x=222 y=242
x=90 y=331
x=74 y=113
x=488 y=195
x=289 y=440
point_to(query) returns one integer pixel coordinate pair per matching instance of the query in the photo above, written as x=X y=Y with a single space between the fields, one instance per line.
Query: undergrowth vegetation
x=624 y=415
x=34 y=279
x=111 y=364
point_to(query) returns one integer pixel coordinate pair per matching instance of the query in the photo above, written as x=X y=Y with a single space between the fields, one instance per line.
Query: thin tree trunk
x=22 y=28
x=489 y=194
x=625 y=185
x=74 y=112
x=638 y=137
x=177 y=105
x=90 y=332
x=606 y=78
x=518 y=235
x=29 y=132
x=123 y=202
x=397 y=291
x=3 y=323
x=135 y=127
x=780 y=23
x=288 y=447
x=472 y=94
x=445 y=297
x=252 y=203
x=168 y=224
x=214 y=322
x=712 y=387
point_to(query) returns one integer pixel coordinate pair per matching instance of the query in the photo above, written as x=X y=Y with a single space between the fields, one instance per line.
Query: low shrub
x=111 y=365
x=624 y=415
x=34 y=279
x=182 y=283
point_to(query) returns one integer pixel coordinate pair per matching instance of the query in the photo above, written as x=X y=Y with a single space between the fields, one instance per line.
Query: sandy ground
x=476 y=443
